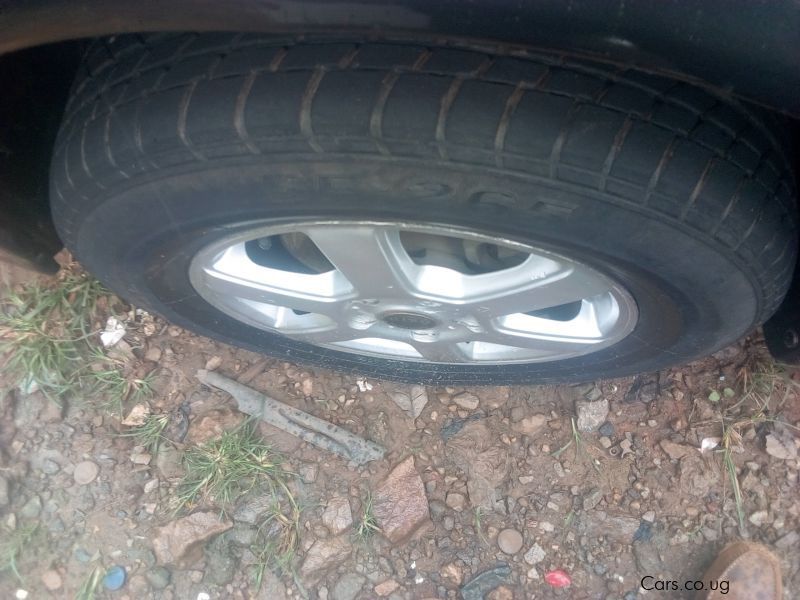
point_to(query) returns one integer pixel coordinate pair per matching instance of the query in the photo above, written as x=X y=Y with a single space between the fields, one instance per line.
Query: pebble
x=649 y=516
x=606 y=429
x=456 y=501
x=85 y=472
x=50 y=467
x=510 y=541
x=348 y=586
x=534 y=555
x=759 y=517
x=82 y=555
x=591 y=414
x=605 y=442
x=153 y=354
x=466 y=400
x=158 y=577
x=32 y=508
x=52 y=580
x=547 y=526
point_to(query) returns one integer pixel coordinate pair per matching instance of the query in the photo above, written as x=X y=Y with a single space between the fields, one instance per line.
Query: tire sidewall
x=691 y=297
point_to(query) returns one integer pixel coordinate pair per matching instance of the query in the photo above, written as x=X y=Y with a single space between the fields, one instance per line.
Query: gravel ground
x=494 y=492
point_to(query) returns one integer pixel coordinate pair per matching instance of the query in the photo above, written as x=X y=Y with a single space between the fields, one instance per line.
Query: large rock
x=591 y=414
x=348 y=586
x=401 y=506
x=324 y=554
x=337 y=515
x=180 y=543
x=474 y=450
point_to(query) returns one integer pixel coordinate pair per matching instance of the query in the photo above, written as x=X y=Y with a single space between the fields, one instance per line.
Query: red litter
x=558 y=578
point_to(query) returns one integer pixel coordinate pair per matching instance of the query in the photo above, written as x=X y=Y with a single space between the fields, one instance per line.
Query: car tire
x=685 y=200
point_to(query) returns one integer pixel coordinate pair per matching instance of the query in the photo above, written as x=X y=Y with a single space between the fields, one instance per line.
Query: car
x=450 y=192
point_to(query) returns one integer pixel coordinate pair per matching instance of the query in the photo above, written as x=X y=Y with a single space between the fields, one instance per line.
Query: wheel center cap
x=409 y=320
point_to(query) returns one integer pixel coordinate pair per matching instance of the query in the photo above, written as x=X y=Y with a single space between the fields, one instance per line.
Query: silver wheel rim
x=413 y=293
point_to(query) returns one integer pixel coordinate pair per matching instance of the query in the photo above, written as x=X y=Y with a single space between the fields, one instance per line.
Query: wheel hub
x=412 y=292
x=409 y=320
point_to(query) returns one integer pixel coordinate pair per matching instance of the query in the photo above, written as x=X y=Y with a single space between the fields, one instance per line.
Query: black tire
x=170 y=141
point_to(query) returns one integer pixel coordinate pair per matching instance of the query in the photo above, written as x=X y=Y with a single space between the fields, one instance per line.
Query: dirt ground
x=482 y=492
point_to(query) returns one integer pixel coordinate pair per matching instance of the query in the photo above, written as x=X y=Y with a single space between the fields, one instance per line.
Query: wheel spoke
x=519 y=290
x=372 y=259
x=234 y=275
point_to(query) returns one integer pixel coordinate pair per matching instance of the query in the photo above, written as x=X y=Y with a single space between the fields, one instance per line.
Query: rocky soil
x=495 y=492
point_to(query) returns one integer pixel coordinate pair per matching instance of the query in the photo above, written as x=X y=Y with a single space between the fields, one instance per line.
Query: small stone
x=85 y=472
x=592 y=499
x=419 y=400
x=456 y=501
x=675 y=451
x=4 y=498
x=790 y=540
x=213 y=363
x=82 y=555
x=591 y=414
x=386 y=587
x=32 y=508
x=168 y=462
x=137 y=416
x=153 y=354
x=533 y=573
x=509 y=541
x=448 y=523
x=534 y=555
x=500 y=593
x=348 y=586
x=52 y=580
x=606 y=429
x=181 y=541
x=324 y=554
x=649 y=516
x=158 y=577
x=308 y=472
x=453 y=573
x=50 y=467
x=466 y=400
x=759 y=518
x=529 y=425
x=141 y=458
x=337 y=515
x=781 y=446
x=400 y=505
x=547 y=526
x=605 y=442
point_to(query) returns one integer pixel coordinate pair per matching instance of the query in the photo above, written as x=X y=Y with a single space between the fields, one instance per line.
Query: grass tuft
x=224 y=469
x=44 y=328
x=367 y=524
x=109 y=381
x=580 y=447
x=150 y=433
x=13 y=542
